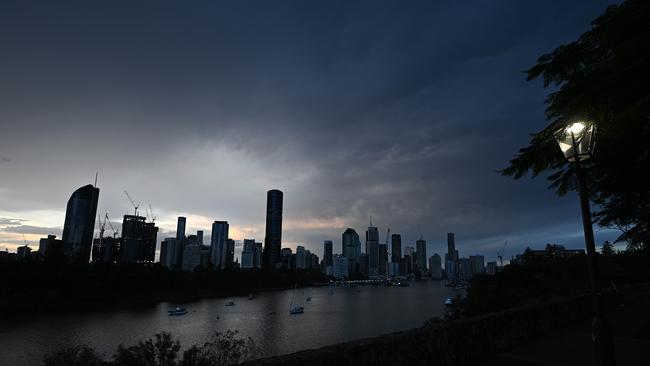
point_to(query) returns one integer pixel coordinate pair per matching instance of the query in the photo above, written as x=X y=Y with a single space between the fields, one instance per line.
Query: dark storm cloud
x=399 y=110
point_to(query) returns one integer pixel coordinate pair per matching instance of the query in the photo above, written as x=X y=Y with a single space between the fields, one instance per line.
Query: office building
x=409 y=260
x=464 y=269
x=79 y=225
x=106 y=250
x=340 y=266
x=248 y=254
x=180 y=228
x=168 y=253
x=191 y=257
x=477 y=262
x=139 y=239
x=396 y=248
x=491 y=268
x=300 y=257
x=351 y=249
x=50 y=246
x=451 y=269
x=327 y=252
x=383 y=260
x=218 y=244
x=435 y=266
x=273 y=236
x=372 y=250
x=452 y=255
x=229 y=258
x=199 y=236
x=421 y=255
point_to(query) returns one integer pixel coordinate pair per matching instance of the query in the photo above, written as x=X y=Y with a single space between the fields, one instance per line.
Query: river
x=332 y=316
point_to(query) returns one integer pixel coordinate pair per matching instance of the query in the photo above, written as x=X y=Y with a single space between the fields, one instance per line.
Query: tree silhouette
x=603 y=77
x=608 y=249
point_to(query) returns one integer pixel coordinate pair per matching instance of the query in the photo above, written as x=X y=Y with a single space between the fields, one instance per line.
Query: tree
x=608 y=249
x=603 y=77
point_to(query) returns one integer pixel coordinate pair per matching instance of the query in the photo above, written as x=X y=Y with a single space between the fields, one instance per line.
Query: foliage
x=544 y=278
x=31 y=285
x=75 y=356
x=607 y=249
x=603 y=77
x=223 y=349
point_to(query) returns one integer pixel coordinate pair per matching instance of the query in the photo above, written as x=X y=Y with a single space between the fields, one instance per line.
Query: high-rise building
x=191 y=257
x=106 y=250
x=248 y=254
x=168 y=252
x=464 y=268
x=300 y=257
x=351 y=249
x=478 y=264
x=340 y=266
x=396 y=248
x=452 y=256
x=219 y=243
x=383 y=260
x=491 y=268
x=229 y=257
x=421 y=255
x=50 y=246
x=409 y=254
x=273 y=237
x=199 y=236
x=372 y=250
x=180 y=228
x=79 y=225
x=139 y=239
x=435 y=266
x=257 y=255
x=327 y=253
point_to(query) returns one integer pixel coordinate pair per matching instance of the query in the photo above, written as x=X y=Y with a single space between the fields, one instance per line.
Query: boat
x=230 y=303
x=295 y=309
x=250 y=296
x=176 y=312
x=308 y=298
x=449 y=301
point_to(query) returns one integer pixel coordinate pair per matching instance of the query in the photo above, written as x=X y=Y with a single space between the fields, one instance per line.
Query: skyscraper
x=138 y=239
x=273 y=237
x=396 y=248
x=435 y=266
x=327 y=253
x=421 y=255
x=301 y=257
x=351 y=245
x=372 y=250
x=180 y=228
x=79 y=225
x=219 y=243
x=248 y=254
x=383 y=260
x=199 y=236
x=452 y=257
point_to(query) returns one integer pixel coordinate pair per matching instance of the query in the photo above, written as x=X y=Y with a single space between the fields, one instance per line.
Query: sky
x=403 y=111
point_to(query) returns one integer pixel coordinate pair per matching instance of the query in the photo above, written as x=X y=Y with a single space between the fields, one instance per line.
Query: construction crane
x=136 y=206
x=25 y=240
x=500 y=253
x=153 y=218
x=115 y=232
x=387 y=269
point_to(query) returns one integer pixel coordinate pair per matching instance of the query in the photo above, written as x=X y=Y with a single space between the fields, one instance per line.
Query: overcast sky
x=402 y=110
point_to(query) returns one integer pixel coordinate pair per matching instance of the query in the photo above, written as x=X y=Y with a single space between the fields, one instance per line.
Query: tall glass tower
x=273 y=237
x=79 y=223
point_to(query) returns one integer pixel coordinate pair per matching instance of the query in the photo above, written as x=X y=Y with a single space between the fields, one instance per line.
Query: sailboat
x=295 y=309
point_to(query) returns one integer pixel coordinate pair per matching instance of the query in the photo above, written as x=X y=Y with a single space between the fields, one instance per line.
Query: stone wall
x=456 y=342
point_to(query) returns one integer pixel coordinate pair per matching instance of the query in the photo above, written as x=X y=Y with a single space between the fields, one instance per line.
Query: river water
x=332 y=316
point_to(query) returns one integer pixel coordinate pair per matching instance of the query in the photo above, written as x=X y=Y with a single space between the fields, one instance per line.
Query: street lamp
x=577 y=144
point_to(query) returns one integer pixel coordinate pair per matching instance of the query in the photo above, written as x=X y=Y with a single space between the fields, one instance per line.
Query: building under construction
x=138 y=240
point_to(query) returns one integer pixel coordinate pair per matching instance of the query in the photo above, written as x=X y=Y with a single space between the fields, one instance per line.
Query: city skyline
x=236 y=122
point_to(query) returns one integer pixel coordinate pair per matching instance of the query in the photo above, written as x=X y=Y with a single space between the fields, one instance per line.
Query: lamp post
x=577 y=143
